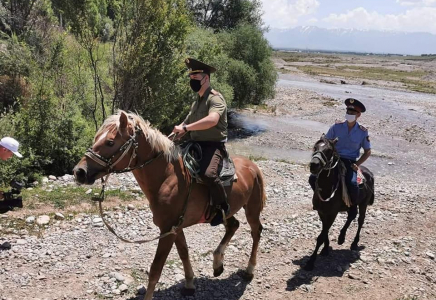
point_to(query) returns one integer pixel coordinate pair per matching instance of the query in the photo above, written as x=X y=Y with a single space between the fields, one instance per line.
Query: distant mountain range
x=353 y=40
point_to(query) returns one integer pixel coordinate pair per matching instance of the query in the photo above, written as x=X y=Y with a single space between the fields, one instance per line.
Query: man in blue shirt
x=351 y=137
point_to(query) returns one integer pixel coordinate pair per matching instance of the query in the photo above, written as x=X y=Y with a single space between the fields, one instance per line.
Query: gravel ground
x=72 y=256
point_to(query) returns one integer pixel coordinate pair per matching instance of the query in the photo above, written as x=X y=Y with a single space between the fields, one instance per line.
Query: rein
x=107 y=163
x=327 y=166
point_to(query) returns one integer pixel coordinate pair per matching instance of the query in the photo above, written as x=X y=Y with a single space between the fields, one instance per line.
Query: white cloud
x=419 y=19
x=417 y=2
x=285 y=13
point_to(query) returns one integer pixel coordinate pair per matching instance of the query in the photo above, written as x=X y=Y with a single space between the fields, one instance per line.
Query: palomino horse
x=327 y=200
x=126 y=142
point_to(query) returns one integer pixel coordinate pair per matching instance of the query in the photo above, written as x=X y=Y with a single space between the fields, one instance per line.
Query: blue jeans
x=350 y=180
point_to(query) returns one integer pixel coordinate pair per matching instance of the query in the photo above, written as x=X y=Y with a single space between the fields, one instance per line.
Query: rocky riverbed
x=71 y=255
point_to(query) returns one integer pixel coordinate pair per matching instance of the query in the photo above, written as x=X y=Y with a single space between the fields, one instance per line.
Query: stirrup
x=220 y=217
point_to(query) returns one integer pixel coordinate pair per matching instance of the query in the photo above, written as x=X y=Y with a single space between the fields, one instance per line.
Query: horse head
x=323 y=155
x=114 y=145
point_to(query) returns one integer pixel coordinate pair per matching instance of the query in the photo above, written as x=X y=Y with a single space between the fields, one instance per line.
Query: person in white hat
x=8 y=147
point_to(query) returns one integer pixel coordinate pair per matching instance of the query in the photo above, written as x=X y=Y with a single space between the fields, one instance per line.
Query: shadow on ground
x=333 y=265
x=230 y=288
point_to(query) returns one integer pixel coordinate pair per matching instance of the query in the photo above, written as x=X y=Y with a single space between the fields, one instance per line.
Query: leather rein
x=327 y=165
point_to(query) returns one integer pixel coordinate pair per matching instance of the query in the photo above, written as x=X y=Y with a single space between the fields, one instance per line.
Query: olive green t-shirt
x=210 y=102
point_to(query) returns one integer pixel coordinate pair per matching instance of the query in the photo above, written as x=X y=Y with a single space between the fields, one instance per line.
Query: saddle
x=191 y=153
x=360 y=182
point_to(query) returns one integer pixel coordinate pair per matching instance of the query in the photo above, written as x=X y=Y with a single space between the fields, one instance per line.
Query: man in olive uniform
x=206 y=124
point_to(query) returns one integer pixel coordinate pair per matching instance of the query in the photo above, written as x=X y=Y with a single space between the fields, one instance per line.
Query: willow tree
x=150 y=51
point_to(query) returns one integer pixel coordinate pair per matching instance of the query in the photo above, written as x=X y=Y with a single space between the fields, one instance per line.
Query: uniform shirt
x=210 y=102
x=349 y=143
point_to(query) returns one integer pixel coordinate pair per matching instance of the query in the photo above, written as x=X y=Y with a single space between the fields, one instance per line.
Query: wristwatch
x=184 y=128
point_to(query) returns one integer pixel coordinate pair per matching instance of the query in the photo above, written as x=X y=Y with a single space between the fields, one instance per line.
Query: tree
x=226 y=14
x=256 y=76
x=150 y=51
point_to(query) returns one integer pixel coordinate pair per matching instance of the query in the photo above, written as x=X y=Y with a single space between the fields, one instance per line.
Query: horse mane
x=154 y=137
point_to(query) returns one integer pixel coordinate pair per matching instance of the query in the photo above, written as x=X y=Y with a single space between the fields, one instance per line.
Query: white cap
x=11 y=144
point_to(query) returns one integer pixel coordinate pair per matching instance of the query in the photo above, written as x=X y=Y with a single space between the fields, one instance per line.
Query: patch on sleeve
x=363 y=128
x=367 y=138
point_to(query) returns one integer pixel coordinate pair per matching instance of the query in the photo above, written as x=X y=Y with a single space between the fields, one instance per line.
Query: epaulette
x=215 y=93
x=363 y=128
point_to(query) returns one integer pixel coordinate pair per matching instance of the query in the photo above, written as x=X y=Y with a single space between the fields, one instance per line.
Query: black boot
x=219 y=198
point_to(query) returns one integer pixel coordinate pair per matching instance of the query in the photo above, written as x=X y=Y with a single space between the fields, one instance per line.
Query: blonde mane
x=154 y=137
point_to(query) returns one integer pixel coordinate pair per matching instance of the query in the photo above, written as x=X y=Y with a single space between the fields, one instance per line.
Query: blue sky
x=399 y=15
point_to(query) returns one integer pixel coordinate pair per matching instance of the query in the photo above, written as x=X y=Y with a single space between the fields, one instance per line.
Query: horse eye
x=110 y=143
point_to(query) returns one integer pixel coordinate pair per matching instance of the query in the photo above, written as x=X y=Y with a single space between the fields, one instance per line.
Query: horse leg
x=182 y=249
x=252 y=212
x=361 y=220
x=163 y=249
x=256 y=230
x=352 y=213
x=327 y=221
x=218 y=254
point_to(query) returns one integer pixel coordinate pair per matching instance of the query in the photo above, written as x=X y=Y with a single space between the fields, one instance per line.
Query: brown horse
x=327 y=200
x=126 y=142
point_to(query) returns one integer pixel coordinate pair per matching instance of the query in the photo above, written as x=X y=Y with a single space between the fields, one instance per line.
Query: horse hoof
x=245 y=276
x=219 y=271
x=341 y=240
x=354 y=247
x=325 y=252
x=187 y=292
x=309 y=266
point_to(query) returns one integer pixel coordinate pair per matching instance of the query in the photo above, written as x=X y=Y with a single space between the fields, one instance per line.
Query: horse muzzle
x=81 y=175
x=315 y=166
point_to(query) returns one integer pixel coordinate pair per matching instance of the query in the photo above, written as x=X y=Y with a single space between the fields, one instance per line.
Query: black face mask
x=195 y=85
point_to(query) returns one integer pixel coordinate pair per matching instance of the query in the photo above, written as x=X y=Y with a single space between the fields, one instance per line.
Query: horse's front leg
x=163 y=249
x=218 y=254
x=327 y=221
x=182 y=249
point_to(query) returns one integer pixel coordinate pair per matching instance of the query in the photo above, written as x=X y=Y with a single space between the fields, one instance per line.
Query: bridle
x=124 y=149
x=327 y=165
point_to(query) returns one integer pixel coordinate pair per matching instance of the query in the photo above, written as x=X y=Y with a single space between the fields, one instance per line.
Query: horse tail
x=369 y=184
x=261 y=184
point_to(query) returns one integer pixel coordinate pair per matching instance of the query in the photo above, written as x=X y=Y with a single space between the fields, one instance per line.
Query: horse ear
x=322 y=136
x=335 y=141
x=123 y=120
